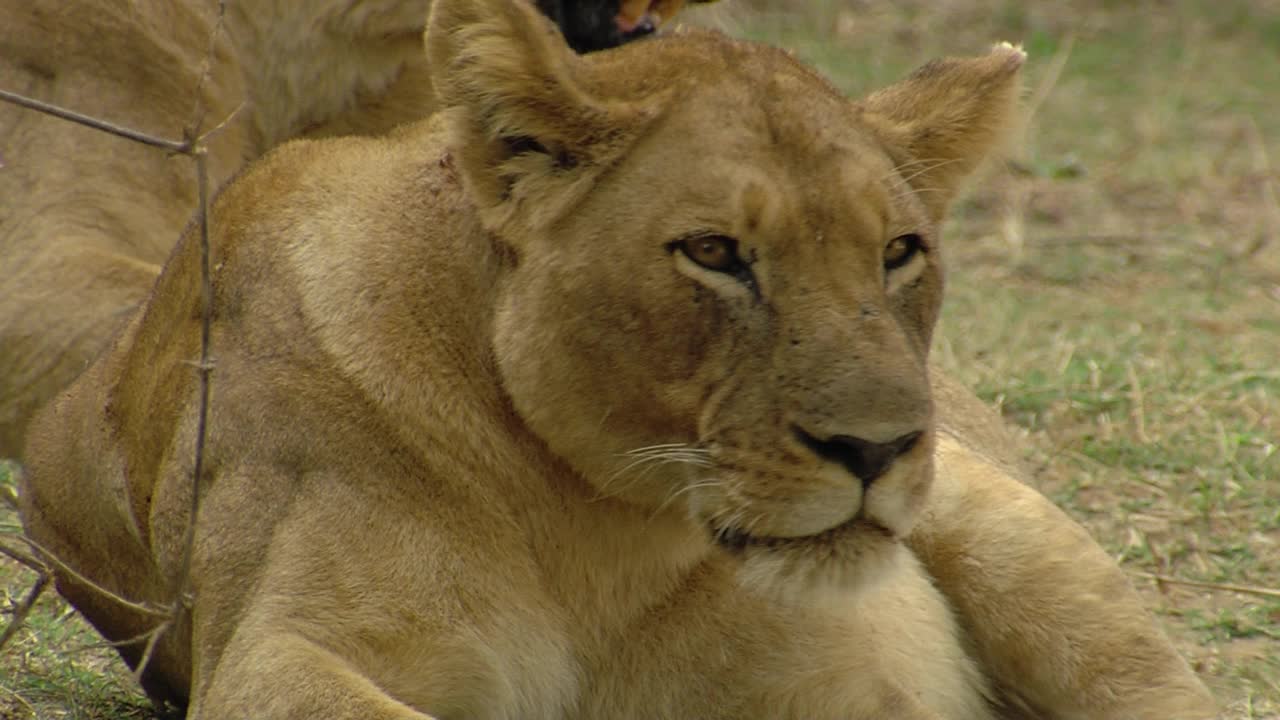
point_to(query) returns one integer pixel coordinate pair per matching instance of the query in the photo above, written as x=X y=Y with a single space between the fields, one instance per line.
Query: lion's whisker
x=653 y=459
x=605 y=491
x=920 y=167
x=664 y=446
x=680 y=491
x=919 y=191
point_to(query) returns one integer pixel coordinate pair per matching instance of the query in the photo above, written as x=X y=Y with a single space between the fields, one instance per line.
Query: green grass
x=56 y=666
x=1114 y=288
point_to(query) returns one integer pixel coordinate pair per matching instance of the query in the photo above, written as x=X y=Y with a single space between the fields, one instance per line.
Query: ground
x=1113 y=288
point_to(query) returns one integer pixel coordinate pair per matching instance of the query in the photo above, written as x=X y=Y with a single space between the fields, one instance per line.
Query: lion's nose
x=867 y=460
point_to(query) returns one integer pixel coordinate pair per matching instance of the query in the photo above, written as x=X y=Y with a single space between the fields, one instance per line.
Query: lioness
x=86 y=219
x=600 y=394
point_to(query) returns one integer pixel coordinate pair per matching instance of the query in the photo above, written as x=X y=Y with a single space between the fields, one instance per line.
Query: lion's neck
x=609 y=561
x=305 y=63
x=425 y=359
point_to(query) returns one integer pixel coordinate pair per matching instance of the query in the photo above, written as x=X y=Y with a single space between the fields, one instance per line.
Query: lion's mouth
x=637 y=17
x=736 y=540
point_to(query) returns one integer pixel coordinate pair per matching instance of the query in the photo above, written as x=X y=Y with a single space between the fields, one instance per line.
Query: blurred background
x=1113 y=288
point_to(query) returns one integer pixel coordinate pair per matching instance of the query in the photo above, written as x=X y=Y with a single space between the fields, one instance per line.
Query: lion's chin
x=819 y=568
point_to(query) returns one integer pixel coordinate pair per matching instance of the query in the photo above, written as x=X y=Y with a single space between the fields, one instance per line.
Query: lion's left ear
x=529 y=137
x=944 y=118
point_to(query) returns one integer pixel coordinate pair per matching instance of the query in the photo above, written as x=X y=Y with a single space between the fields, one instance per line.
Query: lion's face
x=736 y=332
x=747 y=339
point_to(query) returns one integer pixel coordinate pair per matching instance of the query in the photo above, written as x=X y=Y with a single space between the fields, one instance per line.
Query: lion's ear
x=944 y=118
x=528 y=136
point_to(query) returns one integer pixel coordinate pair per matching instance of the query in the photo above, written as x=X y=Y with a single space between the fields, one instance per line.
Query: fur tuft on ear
x=527 y=135
x=946 y=117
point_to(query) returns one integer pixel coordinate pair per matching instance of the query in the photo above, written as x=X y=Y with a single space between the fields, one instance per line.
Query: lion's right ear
x=528 y=136
x=946 y=117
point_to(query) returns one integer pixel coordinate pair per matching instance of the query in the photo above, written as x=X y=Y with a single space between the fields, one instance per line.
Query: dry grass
x=1114 y=289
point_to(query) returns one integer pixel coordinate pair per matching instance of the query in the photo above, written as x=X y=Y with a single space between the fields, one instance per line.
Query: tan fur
x=475 y=420
x=86 y=219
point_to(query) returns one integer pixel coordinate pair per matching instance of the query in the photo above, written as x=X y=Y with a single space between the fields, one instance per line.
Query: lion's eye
x=901 y=249
x=717 y=253
x=713 y=252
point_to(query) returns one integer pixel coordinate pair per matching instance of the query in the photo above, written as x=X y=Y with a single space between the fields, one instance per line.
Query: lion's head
x=738 y=330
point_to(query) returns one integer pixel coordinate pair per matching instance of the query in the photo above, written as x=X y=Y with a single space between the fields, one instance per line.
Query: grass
x=56 y=666
x=1114 y=289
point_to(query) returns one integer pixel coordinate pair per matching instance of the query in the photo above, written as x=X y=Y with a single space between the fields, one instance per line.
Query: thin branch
x=222 y=125
x=154 y=637
x=24 y=608
x=115 y=644
x=103 y=125
x=200 y=154
x=50 y=558
x=204 y=368
x=206 y=70
x=20 y=557
x=1225 y=587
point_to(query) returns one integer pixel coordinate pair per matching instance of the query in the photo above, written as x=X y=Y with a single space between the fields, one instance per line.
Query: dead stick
x=152 y=639
x=24 y=608
x=199 y=152
x=204 y=368
x=206 y=70
x=1226 y=587
x=114 y=644
x=110 y=127
x=48 y=558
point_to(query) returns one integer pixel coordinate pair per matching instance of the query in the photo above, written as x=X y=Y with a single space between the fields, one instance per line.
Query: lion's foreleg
x=1052 y=618
x=283 y=675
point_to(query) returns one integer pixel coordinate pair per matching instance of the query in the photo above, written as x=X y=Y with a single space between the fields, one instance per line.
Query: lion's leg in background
x=86 y=217
x=408 y=98
x=1047 y=609
x=50 y=331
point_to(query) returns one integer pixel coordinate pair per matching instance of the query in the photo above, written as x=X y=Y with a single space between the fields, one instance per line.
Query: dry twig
x=45 y=559
x=23 y=608
x=1269 y=197
x=95 y=123
x=1224 y=587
